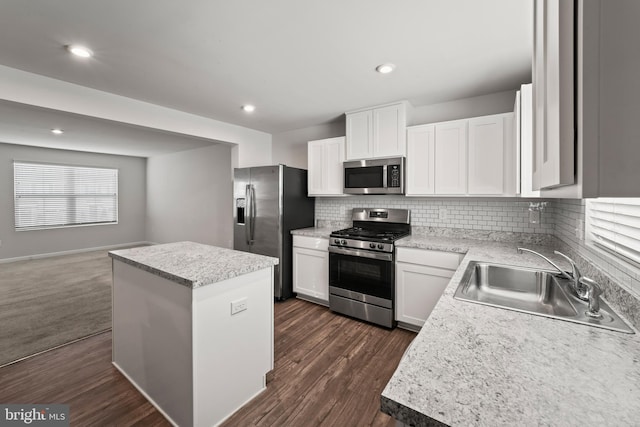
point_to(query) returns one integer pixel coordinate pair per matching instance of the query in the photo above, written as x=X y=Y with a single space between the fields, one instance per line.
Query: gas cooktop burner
x=363 y=233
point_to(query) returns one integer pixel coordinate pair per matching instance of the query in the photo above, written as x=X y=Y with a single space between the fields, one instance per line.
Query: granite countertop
x=484 y=366
x=314 y=232
x=193 y=264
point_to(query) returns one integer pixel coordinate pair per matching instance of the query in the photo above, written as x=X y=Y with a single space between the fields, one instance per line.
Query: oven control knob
x=343 y=242
x=380 y=246
x=372 y=245
x=336 y=241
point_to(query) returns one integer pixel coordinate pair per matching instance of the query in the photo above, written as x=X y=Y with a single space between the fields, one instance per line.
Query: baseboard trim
x=409 y=327
x=74 y=251
x=312 y=299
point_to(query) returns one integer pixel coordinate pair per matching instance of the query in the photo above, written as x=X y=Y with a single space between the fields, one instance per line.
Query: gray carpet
x=48 y=302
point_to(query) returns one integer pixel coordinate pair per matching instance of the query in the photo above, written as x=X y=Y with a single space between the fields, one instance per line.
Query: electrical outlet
x=580 y=229
x=238 y=305
x=442 y=213
x=534 y=217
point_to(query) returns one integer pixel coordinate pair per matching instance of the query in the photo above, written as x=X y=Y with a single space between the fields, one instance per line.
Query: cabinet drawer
x=308 y=242
x=439 y=259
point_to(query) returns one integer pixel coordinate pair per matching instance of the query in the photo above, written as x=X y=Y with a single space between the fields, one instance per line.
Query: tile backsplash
x=506 y=215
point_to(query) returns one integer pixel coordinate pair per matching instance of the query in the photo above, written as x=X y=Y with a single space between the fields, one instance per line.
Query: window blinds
x=614 y=224
x=49 y=195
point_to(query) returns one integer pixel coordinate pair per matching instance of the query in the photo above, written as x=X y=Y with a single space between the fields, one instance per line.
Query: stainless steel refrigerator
x=269 y=202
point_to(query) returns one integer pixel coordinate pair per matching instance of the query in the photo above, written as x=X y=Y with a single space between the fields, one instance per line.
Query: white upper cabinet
x=451 y=158
x=524 y=142
x=553 y=94
x=377 y=132
x=359 y=129
x=325 y=176
x=421 y=162
x=492 y=157
x=389 y=128
x=475 y=157
x=607 y=110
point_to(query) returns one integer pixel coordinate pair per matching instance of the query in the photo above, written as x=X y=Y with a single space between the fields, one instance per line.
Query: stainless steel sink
x=532 y=291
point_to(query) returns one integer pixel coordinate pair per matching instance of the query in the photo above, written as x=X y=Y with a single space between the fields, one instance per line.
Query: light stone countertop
x=193 y=264
x=314 y=232
x=484 y=366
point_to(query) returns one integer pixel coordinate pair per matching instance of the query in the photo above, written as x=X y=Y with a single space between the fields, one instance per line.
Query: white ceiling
x=29 y=125
x=302 y=63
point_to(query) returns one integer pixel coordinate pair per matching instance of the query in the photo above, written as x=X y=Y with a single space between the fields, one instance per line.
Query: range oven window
x=364 y=177
x=364 y=275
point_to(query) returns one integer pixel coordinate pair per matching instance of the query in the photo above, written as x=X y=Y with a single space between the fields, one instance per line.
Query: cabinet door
x=525 y=142
x=334 y=171
x=418 y=289
x=553 y=85
x=315 y=165
x=451 y=158
x=359 y=129
x=487 y=155
x=311 y=273
x=324 y=162
x=421 y=162
x=389 y=126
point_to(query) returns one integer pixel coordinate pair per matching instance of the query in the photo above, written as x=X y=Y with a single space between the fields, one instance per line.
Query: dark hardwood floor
x=329 y=371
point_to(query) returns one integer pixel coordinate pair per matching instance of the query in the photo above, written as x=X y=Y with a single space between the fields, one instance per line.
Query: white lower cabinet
x=421 y=278
x=311 y=268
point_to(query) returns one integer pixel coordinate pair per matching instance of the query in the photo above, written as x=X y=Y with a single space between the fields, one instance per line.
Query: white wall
x=290 y=148
x=189 y=197
x=131 y=204
x=484 y=105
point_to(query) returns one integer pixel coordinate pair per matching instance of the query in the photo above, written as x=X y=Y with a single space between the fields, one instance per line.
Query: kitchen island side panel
x=152 y=339
x=232 y=353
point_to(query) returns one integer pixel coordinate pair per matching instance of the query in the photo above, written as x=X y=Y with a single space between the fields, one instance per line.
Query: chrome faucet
x=577 y=286
x=593 y=295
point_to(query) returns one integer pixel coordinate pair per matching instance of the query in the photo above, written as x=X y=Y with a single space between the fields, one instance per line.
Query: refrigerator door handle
x=252 y=214
x=248 y=219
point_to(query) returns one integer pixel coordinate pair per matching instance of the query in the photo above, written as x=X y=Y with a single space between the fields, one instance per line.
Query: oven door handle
x=364 y=254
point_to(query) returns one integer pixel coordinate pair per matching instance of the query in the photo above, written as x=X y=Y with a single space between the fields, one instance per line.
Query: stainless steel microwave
x=374 y=176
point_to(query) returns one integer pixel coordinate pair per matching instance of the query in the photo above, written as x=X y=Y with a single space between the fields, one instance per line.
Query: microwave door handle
x=384 y=176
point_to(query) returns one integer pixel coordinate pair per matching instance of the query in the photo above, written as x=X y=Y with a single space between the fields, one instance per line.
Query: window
x=49 y=196
x=614 y=225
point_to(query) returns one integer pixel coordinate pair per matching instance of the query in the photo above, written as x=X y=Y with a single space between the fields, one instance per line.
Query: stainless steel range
x=361 y=264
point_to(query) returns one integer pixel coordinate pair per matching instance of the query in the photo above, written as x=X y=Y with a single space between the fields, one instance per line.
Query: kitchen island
x=193 y=327
x=484 y=366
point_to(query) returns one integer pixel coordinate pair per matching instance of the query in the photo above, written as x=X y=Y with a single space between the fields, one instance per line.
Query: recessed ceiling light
x=57 y=131
x=385 y=68
x=80 y=51
x=248 y=108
